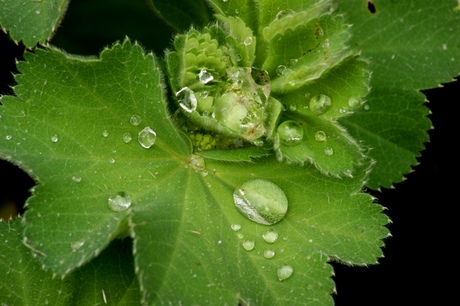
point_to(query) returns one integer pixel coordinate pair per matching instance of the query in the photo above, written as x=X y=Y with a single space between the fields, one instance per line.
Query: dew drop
x=280 y=69
x=261 y=201
x=76 y=245
x=366 y=107
x=292 y=107
x=320 y=136
x=8 y=137
x=187 y=100
x=320 y=104
x=328 y=151
x=105 y=133
x=270 y=236
x=353 y=102
x=284 y=272
x=248 y=245
x=290 y=133
x=269 y=253
x=135 y=120
x=76 y=179
x=119 y=202
x=247 y=41
x=235 y=227
x=54 y=138
x=127 y=137
x=204 y=76
x=147 y=137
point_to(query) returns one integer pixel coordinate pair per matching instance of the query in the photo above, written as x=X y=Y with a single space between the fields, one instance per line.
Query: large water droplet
x=284 y=272
x=119 y=202
x=320 y=104
x=54 y=138
x=135 y=120
x=187 y=100
x=270 y=236
x=269 y=253
x=204 y=76
x=320 y=136
x=261 y=201
x=76 y=245
x=290 y=133
x=248 y=245
x=147 y=137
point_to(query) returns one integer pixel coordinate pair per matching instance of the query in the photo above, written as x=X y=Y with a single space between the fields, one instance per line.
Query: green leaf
x=31 y=22
x=411 y=45
x=247 y=10
x=74 y=115
x=193 y=249
x=109 y=278
x=182 y=14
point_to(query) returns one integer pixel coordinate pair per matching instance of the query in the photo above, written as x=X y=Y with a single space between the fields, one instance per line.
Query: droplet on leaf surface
x=269 y=253
x=270 y=236
x=320 y=104
x=261 y=201
x=248 y=245
x=320 y=136
x=119 y=202
x=135 y=120
x=187 y=99
x=284 y=272
x=126 y=137
x=205 y=77
x=54 y=138
x=76 y=245
x=147 y=137
x=290 y=133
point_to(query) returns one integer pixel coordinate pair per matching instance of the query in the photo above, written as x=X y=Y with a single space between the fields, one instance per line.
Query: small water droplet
x=320 y=104
x=235 y=227
x=261 y=201
x=54 y=138
x=127 y=137
x=280 y=69
x=270 y=236
x=76 y=179
x=135 y=120
x=204 y=76
x=112 y=161
x=293 y=61
x=284 y=272
x=290 y=133
x=366 y=107
x=248 y=41
x=8 y=137
x=354 y=102
x=248 y=245
x=76 y=245
x=269 y=253
x=292 y=107
x=343 y=110
x=147 y=137
x=119 y=202
x=105 y=133
x=320 y=136
x=187 y=100
x=328 y=151
x=37 y=12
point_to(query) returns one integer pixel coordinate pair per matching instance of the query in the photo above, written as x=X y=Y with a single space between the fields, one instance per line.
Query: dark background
x=419 y=264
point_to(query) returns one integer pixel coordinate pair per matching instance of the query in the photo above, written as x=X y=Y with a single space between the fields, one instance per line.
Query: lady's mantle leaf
x=31 y=22
x=80 y=128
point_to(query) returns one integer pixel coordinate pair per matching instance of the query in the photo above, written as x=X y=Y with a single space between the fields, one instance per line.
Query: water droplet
x=269 y=253
x=343 y=110
x=328 y=151
x=320 y=136
x=37 y=12
x=293 y=61
x=76 y=245
x=270 y=236
x=290 y=133
x=248 y=41
x=235 y=227
x=197 y=162
x=105 y=133
x=261 y=201
x=8 y=137
x=293 y=107
x=135 y=120
x=354 y=102
x=248 y=245
x=54 y=138
x=119 y=202
x=76 y=179
x=204 y=76
x=366 y=107
x=320 y=104
x=127 y=137
x=280 y=69
x=240 y=236
x=284 y=272
x=147 y=137
x=187 y=100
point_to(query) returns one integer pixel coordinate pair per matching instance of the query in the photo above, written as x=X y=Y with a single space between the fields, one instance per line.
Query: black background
x=419 y=264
